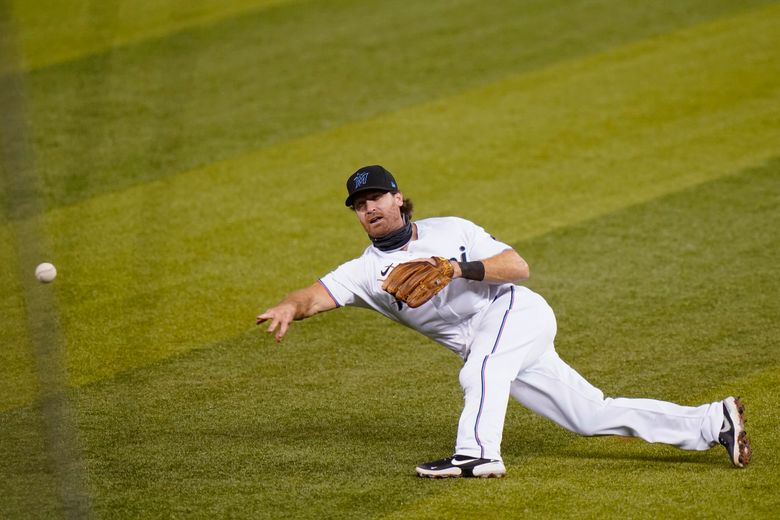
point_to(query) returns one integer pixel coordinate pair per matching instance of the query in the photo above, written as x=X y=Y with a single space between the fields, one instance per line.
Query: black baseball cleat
x=462 y=466
x=732 y=434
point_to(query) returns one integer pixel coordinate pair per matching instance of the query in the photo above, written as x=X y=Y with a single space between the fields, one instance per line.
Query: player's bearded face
x=379 y=212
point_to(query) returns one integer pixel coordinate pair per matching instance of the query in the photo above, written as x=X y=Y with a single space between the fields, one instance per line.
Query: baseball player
x=453 y=282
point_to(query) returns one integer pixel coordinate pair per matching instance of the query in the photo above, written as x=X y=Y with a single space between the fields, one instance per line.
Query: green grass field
x=183 y=166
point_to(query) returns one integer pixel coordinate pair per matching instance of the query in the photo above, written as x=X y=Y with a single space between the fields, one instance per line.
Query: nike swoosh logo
x=385 y=270
x=462 y=462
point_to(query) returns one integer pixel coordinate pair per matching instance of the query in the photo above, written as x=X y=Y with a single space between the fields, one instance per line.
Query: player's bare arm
x=505 y=267
x=297 y=305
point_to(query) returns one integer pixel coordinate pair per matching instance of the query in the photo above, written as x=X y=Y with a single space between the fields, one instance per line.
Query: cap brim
x=362 y=189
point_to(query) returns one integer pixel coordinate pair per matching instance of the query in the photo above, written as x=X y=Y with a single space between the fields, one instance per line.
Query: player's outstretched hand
x=280 y=318
x=297 y=305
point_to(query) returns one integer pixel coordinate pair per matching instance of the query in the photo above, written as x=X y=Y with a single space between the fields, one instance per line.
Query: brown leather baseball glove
x=414 y=283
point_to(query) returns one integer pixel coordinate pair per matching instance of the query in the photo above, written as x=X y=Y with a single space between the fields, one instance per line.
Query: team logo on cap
x=360 y=179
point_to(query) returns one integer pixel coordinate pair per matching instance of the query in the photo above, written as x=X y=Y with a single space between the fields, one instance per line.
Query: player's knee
x=590 y=422
x=586 y=429
x=470 y=376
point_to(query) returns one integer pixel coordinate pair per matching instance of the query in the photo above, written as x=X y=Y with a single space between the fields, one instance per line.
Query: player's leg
x=506 y=342
x=517 y=328
x=553 y=389
x=486 y=381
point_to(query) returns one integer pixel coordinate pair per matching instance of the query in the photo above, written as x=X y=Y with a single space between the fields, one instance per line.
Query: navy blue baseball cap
x=369 y=178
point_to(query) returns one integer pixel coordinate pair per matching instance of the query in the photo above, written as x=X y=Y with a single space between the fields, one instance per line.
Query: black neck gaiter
x=394 y=240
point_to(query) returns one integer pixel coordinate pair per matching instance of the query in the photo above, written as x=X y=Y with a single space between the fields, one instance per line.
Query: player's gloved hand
x=416 y=282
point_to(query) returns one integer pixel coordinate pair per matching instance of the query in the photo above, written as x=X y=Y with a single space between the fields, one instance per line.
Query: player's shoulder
x=444 y=223
x=365 y=256
x=357 y=268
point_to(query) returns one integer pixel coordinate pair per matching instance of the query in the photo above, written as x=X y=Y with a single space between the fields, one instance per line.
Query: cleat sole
x=743 y=442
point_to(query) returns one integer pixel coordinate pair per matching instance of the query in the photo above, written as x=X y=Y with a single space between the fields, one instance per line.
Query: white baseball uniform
x=504 y=333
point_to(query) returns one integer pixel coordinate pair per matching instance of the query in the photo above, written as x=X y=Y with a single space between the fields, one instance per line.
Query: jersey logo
x=384 y=271
x=360 y=179
x=463 y=257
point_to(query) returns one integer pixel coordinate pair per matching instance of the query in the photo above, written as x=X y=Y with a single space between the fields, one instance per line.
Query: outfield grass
x=188 y=166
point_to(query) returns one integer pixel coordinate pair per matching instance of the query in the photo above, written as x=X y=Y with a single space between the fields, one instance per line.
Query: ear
x=399 y=199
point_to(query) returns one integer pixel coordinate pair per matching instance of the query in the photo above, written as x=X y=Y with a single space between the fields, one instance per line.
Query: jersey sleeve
x=482 y=244
x=344 y=284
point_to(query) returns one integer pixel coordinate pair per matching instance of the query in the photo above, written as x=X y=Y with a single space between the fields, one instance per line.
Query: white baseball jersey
x=448 y=317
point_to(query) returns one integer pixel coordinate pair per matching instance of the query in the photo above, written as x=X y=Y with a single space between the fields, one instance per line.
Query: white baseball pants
x=513 y=354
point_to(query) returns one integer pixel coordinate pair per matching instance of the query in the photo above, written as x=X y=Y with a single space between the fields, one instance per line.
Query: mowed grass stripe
x=57 y=31
x=220 y=242
x=167 y=105
x=202 y=434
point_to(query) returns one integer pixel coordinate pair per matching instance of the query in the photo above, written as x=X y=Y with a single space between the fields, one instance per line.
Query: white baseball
x=45 y=272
